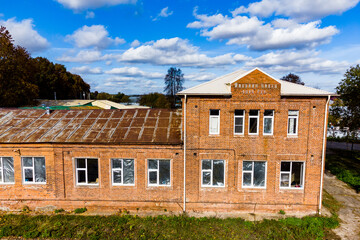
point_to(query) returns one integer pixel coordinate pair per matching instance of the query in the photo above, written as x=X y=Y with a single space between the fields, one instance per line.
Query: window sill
x=88 y=185
x=34 y=183
x=123 y=185
x=214 y=135
x=239 y=135
x=292 y=136
x=5 y=183
x=292 y=189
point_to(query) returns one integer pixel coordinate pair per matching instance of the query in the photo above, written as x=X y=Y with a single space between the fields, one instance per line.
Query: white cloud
x=258 y=35
x=305 y=61
x=85 y=56
x=135 y=43
x=86 y=70
x=93 y=36
x=89 y=14
x=86 y=4
x=134 y=72
x=176 y=51
x=200 y=77
x=303 y=10
x=163 y=14
x=24 y=34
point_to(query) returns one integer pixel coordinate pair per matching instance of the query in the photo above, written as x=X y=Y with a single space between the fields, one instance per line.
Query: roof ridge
x=300 y=85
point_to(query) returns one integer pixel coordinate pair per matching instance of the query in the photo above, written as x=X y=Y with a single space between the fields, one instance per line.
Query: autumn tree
x=17 y=87
x=174 y=81
x=292 y=78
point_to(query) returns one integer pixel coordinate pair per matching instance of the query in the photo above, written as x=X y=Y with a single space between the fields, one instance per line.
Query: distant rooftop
x=131 y=126
x=221 y=86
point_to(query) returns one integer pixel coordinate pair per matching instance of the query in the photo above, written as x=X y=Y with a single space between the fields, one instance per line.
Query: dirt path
x=349 y=213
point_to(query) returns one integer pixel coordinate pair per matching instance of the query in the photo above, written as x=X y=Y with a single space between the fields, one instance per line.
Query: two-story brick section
x=244 y=142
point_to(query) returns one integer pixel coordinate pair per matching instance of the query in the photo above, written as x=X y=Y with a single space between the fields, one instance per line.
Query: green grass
x=346 y=166
x=162 y=227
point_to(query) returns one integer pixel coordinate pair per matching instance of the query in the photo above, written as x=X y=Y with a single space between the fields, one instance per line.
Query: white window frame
x=122 y=172
x=290 y=173
x=297 y=123
x=272 y=122
x=243 y=121
x=157 y=173
x=210 y=120
x=86 y=172
x=2 y=171
x=211 y=173
x=252 y=175
x=33 y=170
x=257 y=126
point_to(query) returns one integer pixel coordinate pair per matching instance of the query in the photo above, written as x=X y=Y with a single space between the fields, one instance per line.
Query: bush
x=282 y=212
x=80 y=210
x=59 y=210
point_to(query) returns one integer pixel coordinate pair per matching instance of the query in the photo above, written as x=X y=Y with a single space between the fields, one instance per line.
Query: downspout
x=323 y=152
x=184 y=208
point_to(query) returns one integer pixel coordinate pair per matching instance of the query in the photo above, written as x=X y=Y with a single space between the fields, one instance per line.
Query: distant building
x=244 y=142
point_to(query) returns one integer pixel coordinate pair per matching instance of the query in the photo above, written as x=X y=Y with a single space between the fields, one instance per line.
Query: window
x=253 y=122
x=212 y=173
x=254 y=174
x=6 y=170
x=122 y=171
x=158 y=172
x=292 y=175
x=87 y=171
x=293 y=117
x=239 y=122
x=268 y=122
x=34 y=169
x=214 y=122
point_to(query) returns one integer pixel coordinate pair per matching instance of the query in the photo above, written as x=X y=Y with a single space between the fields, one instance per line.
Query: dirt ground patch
x=349 y=212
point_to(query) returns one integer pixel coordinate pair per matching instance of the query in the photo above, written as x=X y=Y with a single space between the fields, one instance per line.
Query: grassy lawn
x=345 y=165
x=61 y=226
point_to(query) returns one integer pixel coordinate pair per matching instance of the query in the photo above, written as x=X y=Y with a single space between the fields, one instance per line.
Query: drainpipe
x=184 y=208
x=323 y=152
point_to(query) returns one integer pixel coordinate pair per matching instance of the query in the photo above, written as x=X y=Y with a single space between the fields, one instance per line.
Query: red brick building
x=247 y=143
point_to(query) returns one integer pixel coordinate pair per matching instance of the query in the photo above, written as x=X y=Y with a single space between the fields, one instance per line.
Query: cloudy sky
x=128 y=45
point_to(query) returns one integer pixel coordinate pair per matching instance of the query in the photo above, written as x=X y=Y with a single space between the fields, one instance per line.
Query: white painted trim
x=290 y=172
x=272 y=123
x=157 y=171
x=252 y=175
x=33 y=171
x=122 y=172
x=258 y=120
x=297 y=123
x=211 y=173
x=218 y=123
x=243 y=122
x=2 y=182
x=86 y=171
x=184 y=206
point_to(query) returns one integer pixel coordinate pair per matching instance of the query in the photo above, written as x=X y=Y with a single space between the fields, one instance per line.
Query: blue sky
x=128 y=45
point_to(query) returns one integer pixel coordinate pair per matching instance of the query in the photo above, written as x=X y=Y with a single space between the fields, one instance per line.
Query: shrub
x=282 y=212
x=60 y=210
x=80 y=210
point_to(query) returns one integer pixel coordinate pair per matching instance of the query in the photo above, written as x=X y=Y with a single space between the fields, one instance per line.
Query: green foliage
x=26 y=209
x=331 y=203
x=349 y=89
x=60 y=210
x=348 y=139
x=346 y=166
x=161 y=227
x=104 y=96
x=293 y=78
x=80 y=210
x=282 y=212
x=154 y=100
x=121 y=98
x=17 y=86
x=24 y=79
x=174 y=81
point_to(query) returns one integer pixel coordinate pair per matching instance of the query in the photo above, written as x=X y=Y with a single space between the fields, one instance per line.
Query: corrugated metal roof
x=131 y=126
x=221 y=86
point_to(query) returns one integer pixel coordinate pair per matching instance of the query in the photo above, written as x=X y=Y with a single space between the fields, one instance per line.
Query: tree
x=17 y=87
x=121 y=98
x=154 y=100
x=174 y=80
x=349 y=89
x=292 y=78
x=104 y=96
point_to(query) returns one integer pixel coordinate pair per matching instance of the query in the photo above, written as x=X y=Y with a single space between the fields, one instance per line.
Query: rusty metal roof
x=130 y=126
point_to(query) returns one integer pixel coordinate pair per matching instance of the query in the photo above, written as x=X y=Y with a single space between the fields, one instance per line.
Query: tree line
x=24 y=79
